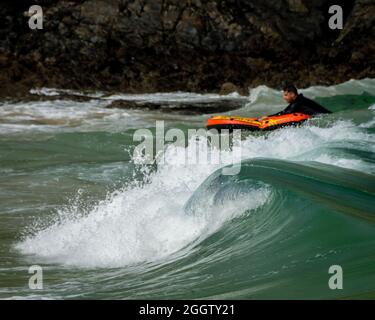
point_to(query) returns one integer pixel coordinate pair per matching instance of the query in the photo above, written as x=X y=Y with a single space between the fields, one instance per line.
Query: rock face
x=191 y=45
x=197 y=107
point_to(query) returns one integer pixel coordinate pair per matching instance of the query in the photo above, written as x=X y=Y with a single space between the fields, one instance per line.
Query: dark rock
x=181 y=107
x=297 y=6
x=191 y=45
x=227 y=88
x=99 y=12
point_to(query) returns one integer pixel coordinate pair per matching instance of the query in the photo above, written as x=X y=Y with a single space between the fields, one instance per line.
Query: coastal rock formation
x=190 y=45
x=196 y=107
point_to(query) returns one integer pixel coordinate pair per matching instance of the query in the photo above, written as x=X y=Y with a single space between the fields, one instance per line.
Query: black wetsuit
x=303 y=105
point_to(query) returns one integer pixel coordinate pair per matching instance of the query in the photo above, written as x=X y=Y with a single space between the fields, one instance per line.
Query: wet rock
x=190 y=45
x=297 y=6
x=227 y=88
x=205 y=107
x=99 y=11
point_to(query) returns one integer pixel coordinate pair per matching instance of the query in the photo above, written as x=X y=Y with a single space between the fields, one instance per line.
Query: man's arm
x=275 y=114
x=287 y=110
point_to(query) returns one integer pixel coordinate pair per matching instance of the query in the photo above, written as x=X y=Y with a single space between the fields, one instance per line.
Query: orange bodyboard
x=273 y=122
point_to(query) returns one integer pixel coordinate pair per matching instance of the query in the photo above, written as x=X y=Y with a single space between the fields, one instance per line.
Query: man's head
x=290 y=93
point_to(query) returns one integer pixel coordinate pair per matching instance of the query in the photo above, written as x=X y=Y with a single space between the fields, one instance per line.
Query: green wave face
x=315 y=217
x=74 y=202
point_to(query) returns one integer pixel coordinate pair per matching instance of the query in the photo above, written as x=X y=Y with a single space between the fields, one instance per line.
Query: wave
x=301 y=202
x=273 y=229
x=65 y=114
x=146 y=223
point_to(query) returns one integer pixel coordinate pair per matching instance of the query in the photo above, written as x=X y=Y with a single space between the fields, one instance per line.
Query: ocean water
x=75 y=202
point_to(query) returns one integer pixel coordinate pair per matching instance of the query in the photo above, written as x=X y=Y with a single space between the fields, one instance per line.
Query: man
x=298 y=103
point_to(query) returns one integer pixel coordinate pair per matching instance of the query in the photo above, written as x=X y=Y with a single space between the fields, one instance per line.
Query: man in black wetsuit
x=299 y=103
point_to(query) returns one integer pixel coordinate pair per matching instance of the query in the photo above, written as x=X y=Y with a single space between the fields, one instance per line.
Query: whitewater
x=75 y=201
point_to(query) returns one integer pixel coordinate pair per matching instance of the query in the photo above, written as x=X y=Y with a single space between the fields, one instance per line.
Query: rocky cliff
x=191 y=45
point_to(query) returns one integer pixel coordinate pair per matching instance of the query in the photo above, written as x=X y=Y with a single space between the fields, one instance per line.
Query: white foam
x=148 y=223
x=138 y=224
x=49 y=116
x=371 y=123
x=351 y=87
x=50 y=92
x=93 y=116
x=264 y=100
x=299 y=143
